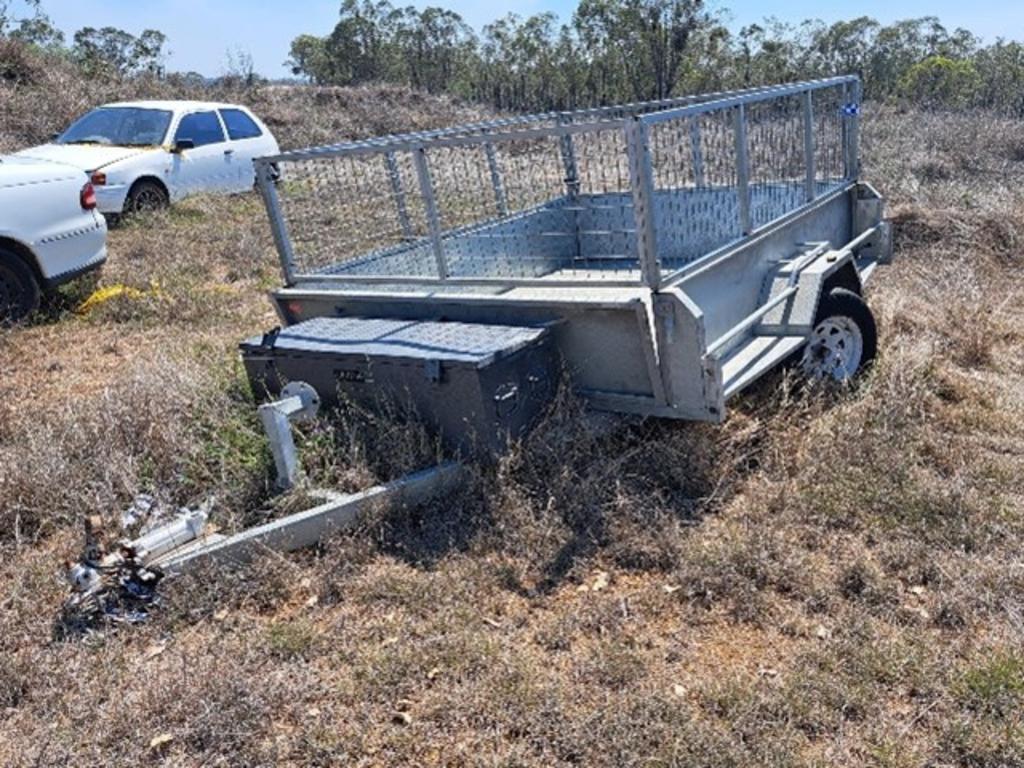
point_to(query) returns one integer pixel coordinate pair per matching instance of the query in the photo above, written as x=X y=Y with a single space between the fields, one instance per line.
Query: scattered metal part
x=299 y=402
x=120 y=591
x=138 y=514
x=119 y=586
x=187 y=526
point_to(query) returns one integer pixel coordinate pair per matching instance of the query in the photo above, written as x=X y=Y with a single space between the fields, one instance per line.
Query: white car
x=143 y=155
x=50 y=231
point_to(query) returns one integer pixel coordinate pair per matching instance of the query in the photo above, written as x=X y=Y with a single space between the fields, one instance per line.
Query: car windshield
x=121 y=126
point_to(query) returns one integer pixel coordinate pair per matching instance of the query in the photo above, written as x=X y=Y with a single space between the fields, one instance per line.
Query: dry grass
x=822 y=581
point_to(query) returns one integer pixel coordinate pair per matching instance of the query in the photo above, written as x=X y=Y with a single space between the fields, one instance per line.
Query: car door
x=247 y=139
x=208 y=166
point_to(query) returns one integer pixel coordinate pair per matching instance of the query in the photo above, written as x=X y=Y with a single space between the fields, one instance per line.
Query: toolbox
x=476 y=385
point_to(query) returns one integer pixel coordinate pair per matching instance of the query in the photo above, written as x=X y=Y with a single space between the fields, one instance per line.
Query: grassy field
x=821 y=581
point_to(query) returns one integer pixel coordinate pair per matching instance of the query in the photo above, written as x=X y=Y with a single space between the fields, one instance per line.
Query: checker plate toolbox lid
x=470 y=344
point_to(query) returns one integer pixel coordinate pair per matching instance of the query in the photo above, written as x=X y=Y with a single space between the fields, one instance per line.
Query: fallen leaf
x=492 y=623
x=822 y=632
x=679 y=691
x=220 y=615
x=390 y=640
x=313 y=600
x=917 y=590
x=768 y=672
x=159 y=741
x=600 y=581
x=670 y=588
x=433 y=673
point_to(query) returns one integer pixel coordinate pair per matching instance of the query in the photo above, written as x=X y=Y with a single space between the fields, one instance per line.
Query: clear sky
x=202 y=34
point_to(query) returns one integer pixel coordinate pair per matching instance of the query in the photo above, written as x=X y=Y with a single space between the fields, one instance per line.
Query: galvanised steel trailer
x=673 y=251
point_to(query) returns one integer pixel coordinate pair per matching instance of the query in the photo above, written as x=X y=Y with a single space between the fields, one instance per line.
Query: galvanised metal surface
x=674 y=251
x=625 y=195
x=471 y=344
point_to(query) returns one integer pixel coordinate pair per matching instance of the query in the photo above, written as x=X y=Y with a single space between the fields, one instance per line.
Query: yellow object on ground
x=108 y=292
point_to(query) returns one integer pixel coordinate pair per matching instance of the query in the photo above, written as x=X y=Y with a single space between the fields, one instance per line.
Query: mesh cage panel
x=775 y=134
x=830 y=136
x=551 y=197
x=694 y=168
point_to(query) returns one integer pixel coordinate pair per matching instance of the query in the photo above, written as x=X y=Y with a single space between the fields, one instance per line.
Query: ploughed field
x=827 y=579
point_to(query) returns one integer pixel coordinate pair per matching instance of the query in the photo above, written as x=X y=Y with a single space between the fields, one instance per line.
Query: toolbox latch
x=506 y=400
x=270 y=339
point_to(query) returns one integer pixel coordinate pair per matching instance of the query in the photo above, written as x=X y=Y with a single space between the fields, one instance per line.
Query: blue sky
x=201 y=35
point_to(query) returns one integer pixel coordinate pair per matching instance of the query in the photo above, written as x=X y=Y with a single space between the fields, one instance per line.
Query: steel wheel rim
x=148 y=200
x=834 y=351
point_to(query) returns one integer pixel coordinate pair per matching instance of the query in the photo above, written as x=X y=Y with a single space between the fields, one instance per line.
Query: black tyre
x=844 y=341
x=19 y=290
x=146 y=195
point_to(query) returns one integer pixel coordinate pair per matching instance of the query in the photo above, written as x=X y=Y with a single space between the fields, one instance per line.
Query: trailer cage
x=675 y=251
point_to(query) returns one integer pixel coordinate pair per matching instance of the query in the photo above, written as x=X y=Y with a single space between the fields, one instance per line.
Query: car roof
x=177 y=105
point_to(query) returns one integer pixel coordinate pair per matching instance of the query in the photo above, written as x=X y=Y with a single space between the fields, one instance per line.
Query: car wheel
x=146 y=196
x=19 y=290
x=844 y=340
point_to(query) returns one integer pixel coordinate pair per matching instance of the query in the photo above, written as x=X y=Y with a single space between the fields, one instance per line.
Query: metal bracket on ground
x=299 y=402
x=306 y=528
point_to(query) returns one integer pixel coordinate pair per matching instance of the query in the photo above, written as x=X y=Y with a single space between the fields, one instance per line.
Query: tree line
x=609 y=51
x=630 y=50
x=104 y=51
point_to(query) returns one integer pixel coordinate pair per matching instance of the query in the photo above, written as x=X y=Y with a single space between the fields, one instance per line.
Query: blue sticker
x=851 y=110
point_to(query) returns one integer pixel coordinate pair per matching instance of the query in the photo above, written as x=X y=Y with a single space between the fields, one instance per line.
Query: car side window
x=240 y=125
x=201 y=127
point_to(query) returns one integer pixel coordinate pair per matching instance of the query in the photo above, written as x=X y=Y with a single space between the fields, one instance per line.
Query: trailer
x=663 y=256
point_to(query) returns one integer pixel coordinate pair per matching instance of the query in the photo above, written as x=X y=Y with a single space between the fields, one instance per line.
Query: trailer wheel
x=844 y=340
x=19 y=290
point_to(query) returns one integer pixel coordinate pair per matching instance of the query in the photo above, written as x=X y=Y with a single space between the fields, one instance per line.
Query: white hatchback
x=143 y=155
x=50 y=231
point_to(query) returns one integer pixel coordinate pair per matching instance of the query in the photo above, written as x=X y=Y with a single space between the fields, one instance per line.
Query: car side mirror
x=182 y=144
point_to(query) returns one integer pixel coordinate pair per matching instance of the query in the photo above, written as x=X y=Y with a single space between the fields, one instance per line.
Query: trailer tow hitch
x=121 y=586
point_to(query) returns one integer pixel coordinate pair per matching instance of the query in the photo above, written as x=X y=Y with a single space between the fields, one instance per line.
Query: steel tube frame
x=811 y=178
x=766 y=94
x=635 y=127
x=399 y=192
x=596 y=117
x=642 y=183
x=480 y=282
x=430 y=205
x=748 y=322
x=742 y=170
x=278 y=226
x=500 y=201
